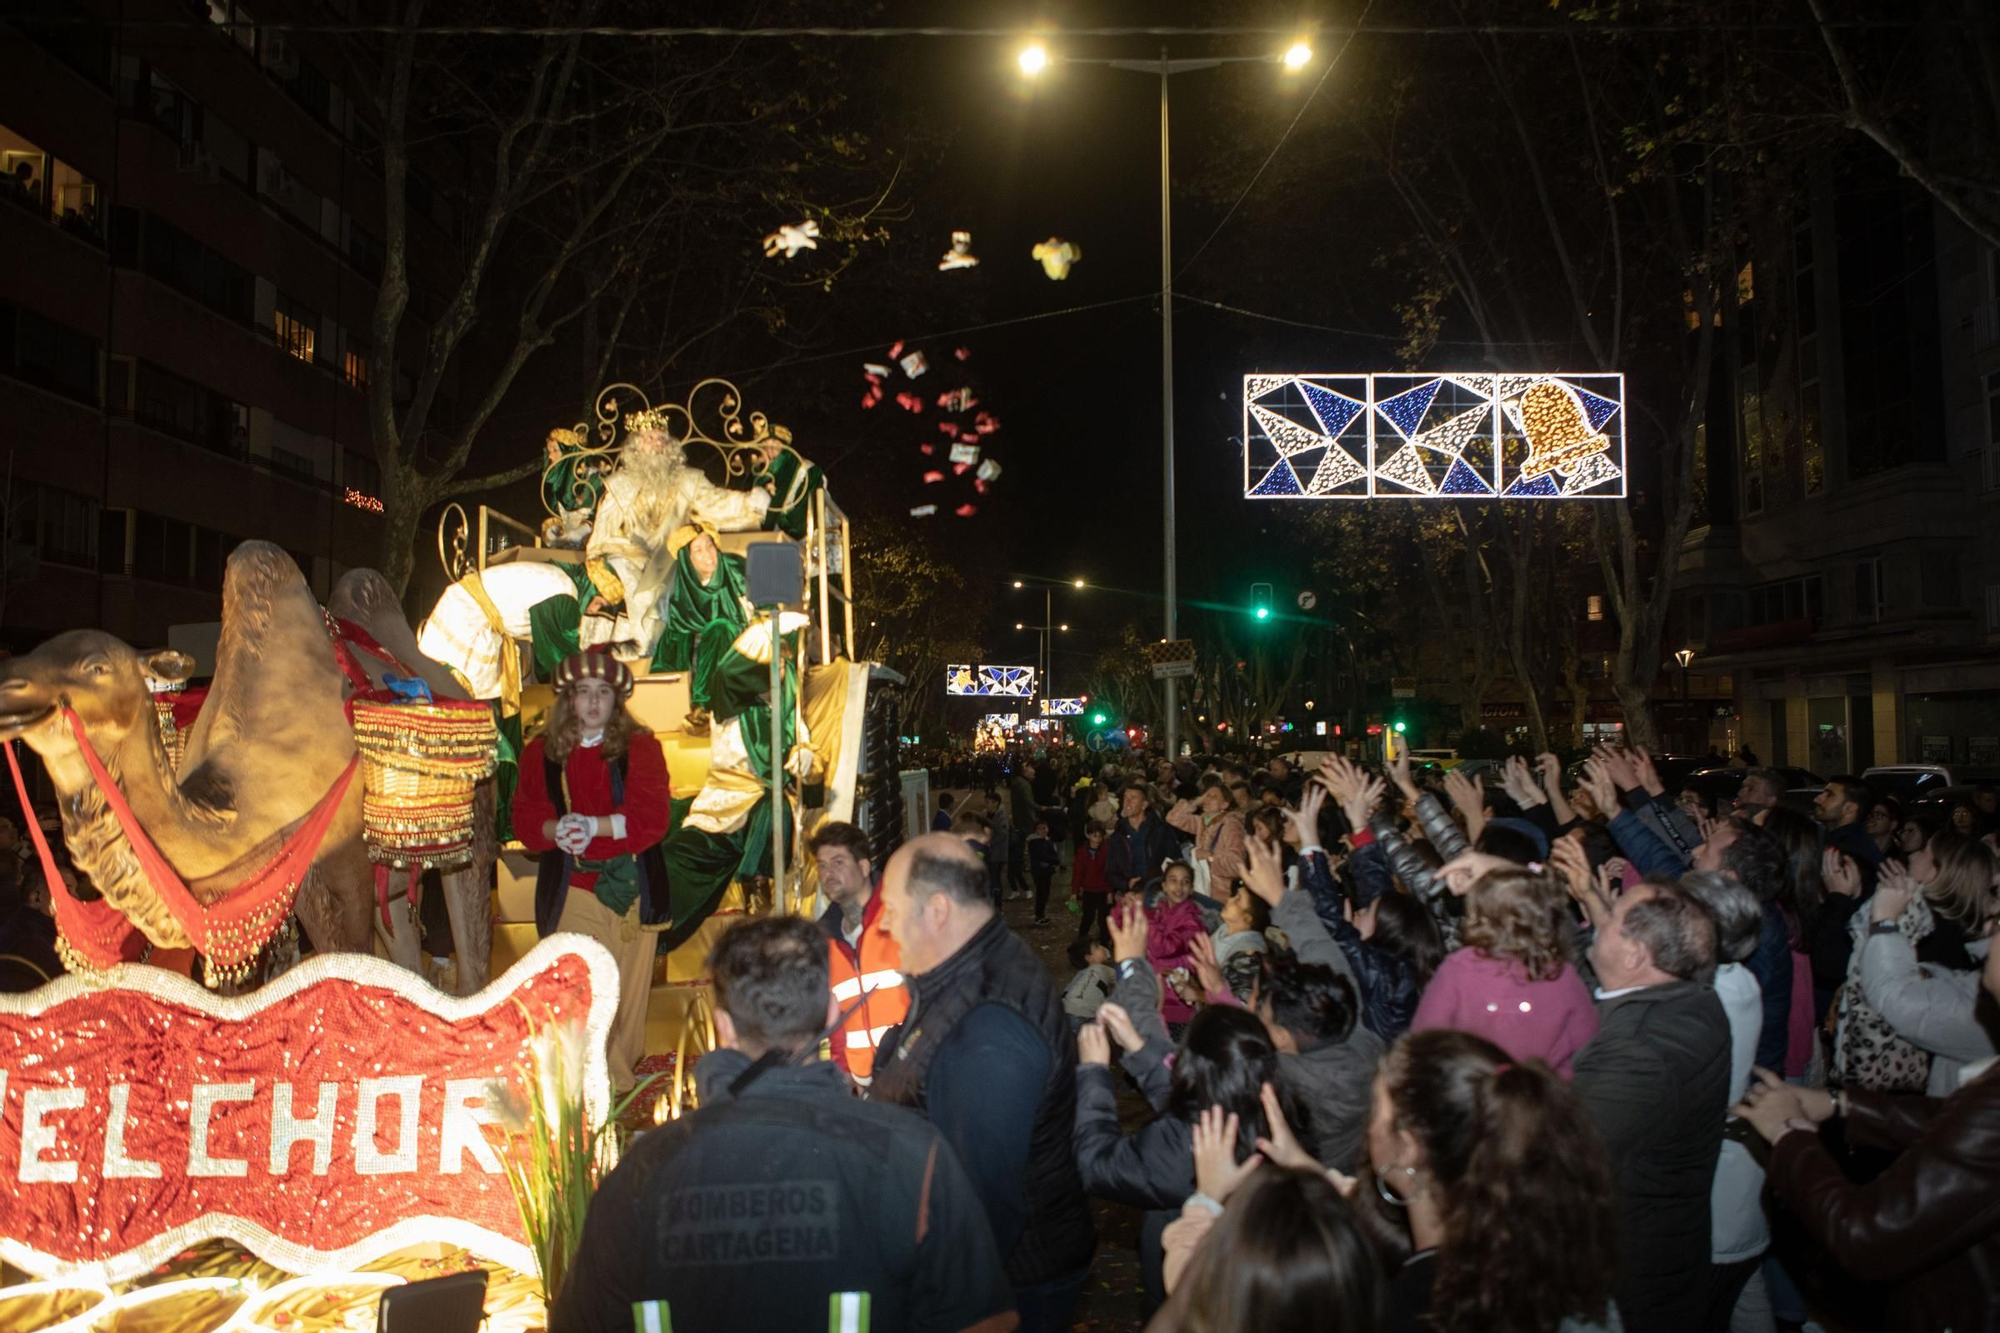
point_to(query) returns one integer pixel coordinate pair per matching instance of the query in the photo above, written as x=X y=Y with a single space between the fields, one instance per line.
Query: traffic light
x=1260 y=601
x=1097 y=719
x=1401 y=726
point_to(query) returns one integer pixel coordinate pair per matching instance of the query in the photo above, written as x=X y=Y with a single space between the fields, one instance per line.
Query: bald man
x=986 y=1054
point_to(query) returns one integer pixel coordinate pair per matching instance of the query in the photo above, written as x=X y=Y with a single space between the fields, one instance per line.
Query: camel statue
x=271 y=740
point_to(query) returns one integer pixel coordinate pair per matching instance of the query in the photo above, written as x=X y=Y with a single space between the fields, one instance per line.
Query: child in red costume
x=594 y=803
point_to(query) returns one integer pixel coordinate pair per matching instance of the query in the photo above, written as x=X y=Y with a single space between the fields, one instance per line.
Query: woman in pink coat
x=1512 y=982
x=1172 y=923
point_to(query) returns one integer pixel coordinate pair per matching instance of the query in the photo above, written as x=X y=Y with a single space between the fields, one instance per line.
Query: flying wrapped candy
x=1056 y=255
x=933 y=477
x=960 y=469
x=980 y=486
x=986 y=423
x=874 y=394
x=960 y=255
x=957 y=400
x=963 y=353
x=989 y=471
x=965 y=453
x=948 y=428
x=923 y=511
x=927 y=449
x=914 y=364
x=874 y=371
x=909 y=402
x=792 y=239
x=896 y=349
x=966 y=511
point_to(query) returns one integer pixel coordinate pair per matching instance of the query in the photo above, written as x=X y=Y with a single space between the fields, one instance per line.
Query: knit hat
x=595 y=666
x=1527 y=829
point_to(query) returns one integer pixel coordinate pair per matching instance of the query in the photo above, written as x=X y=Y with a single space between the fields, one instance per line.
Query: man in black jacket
x=985 y=1054
x=784 y=1203
x=1141 y=844
x=1655 y=1078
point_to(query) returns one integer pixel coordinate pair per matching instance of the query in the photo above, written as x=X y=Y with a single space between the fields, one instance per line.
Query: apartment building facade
x=1844 y=575
x=194 y=231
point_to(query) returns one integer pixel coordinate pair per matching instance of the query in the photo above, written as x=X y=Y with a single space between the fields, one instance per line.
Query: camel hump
x=364 y=598
x=277 y=689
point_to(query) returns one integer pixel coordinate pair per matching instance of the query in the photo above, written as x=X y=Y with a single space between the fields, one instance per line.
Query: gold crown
x=651 y=418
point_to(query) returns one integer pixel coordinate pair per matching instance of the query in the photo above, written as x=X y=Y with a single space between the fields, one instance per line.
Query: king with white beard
x=653 y=493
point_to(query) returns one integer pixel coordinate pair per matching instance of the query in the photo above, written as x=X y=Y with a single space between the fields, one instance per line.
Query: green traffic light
x=1097 y=718
x=1263 y=613
x=1400 y=728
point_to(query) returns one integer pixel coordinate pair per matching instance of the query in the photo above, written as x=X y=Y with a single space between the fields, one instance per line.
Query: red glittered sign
x=345 y=1110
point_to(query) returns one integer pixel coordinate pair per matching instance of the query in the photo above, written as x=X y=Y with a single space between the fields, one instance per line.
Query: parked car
x=1912 y=783
x=1723 y=784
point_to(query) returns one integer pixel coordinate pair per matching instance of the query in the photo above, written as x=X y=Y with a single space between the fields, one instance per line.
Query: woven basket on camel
x=419 y=764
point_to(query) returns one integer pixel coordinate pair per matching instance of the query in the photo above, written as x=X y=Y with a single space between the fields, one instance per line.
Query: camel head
x=101 y=677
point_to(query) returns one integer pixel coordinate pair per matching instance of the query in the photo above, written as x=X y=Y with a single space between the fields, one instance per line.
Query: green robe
x=574 y=481
x=793 y=480
x=701 y=863
x=693 y=608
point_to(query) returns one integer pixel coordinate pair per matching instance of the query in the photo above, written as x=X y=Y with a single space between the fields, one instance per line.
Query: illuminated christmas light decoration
x=362 y=500
x=1004 y=721
x=1442 y=435
x=1014 y=682
x=1064 y=707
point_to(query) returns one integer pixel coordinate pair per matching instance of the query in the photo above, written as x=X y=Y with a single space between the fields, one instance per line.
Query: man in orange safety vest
x=865 y=966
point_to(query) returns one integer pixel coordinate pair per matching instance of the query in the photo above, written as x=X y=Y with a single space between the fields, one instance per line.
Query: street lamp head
x=1684 y=656
x=1298 y=55
x=1019 y=625
x=1076 y=583
x=1034 y=58
x=1063 y=628
x=1017 y=583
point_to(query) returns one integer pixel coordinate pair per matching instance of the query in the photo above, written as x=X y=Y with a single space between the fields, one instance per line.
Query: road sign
x=1172 y=659
x=1403 y=687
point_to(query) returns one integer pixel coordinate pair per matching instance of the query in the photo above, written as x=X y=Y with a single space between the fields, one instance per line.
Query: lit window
x=1593 y=607
x=296 y=328
x=354 y=368
x=1746 y=285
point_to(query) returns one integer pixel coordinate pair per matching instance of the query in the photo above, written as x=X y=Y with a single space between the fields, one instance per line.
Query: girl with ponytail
x=1493 y=1178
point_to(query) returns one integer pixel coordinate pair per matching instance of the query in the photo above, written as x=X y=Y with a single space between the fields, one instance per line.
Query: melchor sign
x=343 y=1111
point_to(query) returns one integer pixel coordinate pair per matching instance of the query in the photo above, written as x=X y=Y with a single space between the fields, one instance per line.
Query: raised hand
x=1399 y=773
x=1893 y=892
x=1840 y=874
x=1128 y=934
x=1467 y=868
x=1118 y=1023
x=1093 y=1046
x=1647 y=775
x=1264 y=872
x=1603 y=789
x=1551 y=769
x=1201 y=952
x=1280 y=1144
x=1568 y=860
x=1217 y=1173
x=1305 y=819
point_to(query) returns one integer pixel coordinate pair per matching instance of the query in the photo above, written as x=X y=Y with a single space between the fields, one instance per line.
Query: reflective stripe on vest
x=847 y=991
x=857 y=1039
x=651 y=1317
x=847 y=1312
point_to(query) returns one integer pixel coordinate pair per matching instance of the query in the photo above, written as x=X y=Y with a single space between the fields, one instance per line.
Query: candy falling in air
x=914 y=364
x=963 y=353
x=923 y=511
x=967 y=454
x=966 y=511
x=960 y=255
x=957 y=400
x=989 y=471
x=909 y=402
x=1056 y=255
x=792 y=239
x=933 y=477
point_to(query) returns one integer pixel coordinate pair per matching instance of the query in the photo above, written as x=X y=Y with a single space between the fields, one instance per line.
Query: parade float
x=202 y=1133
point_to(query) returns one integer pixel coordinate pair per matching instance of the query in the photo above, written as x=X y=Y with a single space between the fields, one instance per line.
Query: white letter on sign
x=461 y=1126
x=368 y=1159
x=288 y=1131
x=201 y=1104
x=117 y=1166
x=37 y=1136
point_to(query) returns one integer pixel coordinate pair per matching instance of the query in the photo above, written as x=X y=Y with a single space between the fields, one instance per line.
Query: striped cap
x=595 y=666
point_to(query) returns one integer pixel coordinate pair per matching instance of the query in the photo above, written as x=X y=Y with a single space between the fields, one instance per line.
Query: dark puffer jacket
x=1386 y=982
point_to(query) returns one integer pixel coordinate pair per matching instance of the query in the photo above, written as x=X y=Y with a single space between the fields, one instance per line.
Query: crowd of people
x=1558 y=1051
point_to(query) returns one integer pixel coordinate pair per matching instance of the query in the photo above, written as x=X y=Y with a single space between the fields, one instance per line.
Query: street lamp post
x=1685 y=656
x=1033 y=60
